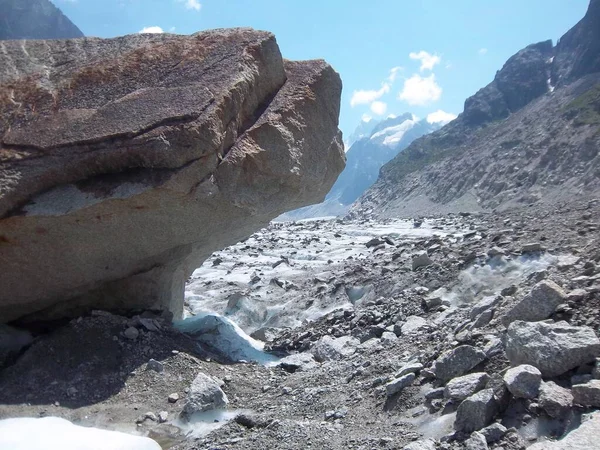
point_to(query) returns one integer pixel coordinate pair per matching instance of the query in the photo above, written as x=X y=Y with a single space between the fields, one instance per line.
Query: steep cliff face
x=34 y=19
x=531 y=135
x=125 y=162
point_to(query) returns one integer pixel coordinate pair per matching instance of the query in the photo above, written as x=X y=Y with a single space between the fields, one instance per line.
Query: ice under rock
x=225 y=337
x=53 y=433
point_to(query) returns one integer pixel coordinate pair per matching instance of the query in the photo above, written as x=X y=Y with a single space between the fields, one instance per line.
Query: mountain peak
x=34 y=19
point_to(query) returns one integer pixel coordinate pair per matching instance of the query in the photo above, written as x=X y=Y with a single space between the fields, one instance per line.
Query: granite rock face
x=125 y=162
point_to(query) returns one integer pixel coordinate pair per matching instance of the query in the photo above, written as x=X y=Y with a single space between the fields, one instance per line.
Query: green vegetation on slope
x=585 y=109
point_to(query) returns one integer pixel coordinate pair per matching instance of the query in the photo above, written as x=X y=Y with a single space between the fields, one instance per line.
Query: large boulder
x=552 y=348
x=539 y=304
x=205 y=395
x=476 y=411
x=125 y=162
x=457 y=361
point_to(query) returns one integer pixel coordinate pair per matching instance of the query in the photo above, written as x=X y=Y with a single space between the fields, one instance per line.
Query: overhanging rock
x=125 y=162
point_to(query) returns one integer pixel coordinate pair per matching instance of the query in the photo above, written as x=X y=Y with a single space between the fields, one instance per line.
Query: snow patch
x=53 y=433
x=391 y=136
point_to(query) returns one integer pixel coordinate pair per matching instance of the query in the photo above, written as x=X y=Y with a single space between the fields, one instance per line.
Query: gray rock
x=173 y=397
x=476 y=411
x=396 y=385
x=329 y=348
x=587 y=394
x=131 y=333
x=159 y=144
x=532 y=247
x=581 y=378
x=596 y=369
x=494 y=432
x=523 y=381
x=423 y=444
x=554 y=399
x=552 y=348
x=493 y=347
x=539 y=304
x=298 y=362
x=583 y=438
x=496 y=251
x=163 y=416
x=266 y=334
x=465 y=386
x=477 y=441
x=413 y=367
x=431 y=302
x=434 y=394
x=484 y=305
x=483 y=319
x=155 y=365
x=421 y=259
x=205 y=395
x=388 y=338
x=413 y=324
x=457 y=361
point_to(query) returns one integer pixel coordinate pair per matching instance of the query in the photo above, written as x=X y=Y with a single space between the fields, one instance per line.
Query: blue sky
x=394 y=56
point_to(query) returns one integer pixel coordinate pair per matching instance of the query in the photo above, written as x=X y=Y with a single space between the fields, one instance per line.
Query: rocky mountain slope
x=376 y=143
x=34 y=19
x=142 y=155
x=531 y=135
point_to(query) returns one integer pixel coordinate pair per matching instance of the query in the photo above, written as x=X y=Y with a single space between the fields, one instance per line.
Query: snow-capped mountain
x=377 y=142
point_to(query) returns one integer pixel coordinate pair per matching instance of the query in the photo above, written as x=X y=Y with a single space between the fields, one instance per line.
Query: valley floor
x=360 y=305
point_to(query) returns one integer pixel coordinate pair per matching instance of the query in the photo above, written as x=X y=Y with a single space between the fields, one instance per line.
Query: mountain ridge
x=35 y=19
x=518 y=141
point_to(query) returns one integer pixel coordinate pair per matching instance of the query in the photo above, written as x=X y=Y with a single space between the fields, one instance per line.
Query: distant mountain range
x=531 y=135
x=34 y=19
x=373 y=144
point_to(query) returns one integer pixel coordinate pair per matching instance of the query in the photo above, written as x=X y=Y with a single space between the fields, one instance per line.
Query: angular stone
x=465 y=386
x=494 y=432
x=552 y=348
x=532 y=247
x=587 y=394
x=421 y=259
x=205 y=395
x=388 y=338
x=585 y=437
x=484 y=305
x=423 y=444
x=208 y=136
x=457 y=361
x=523 y=381
x=297 y=362
x=412 y=324
x=476 y=412
x=539 y=304
x=410 y=368
x=396 y=385
x=329 y=348
x=554 y=399
x=477 y=441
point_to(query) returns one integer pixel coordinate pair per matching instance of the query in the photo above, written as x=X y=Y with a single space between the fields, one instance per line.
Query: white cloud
x=379 y=108
x=365 y=97
x=428 y=61
x=440 y=116
x=366 y=118
x=394 y=73
x=191 y=4
x=420 y=91
x=482 y=51
x=155 y=30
